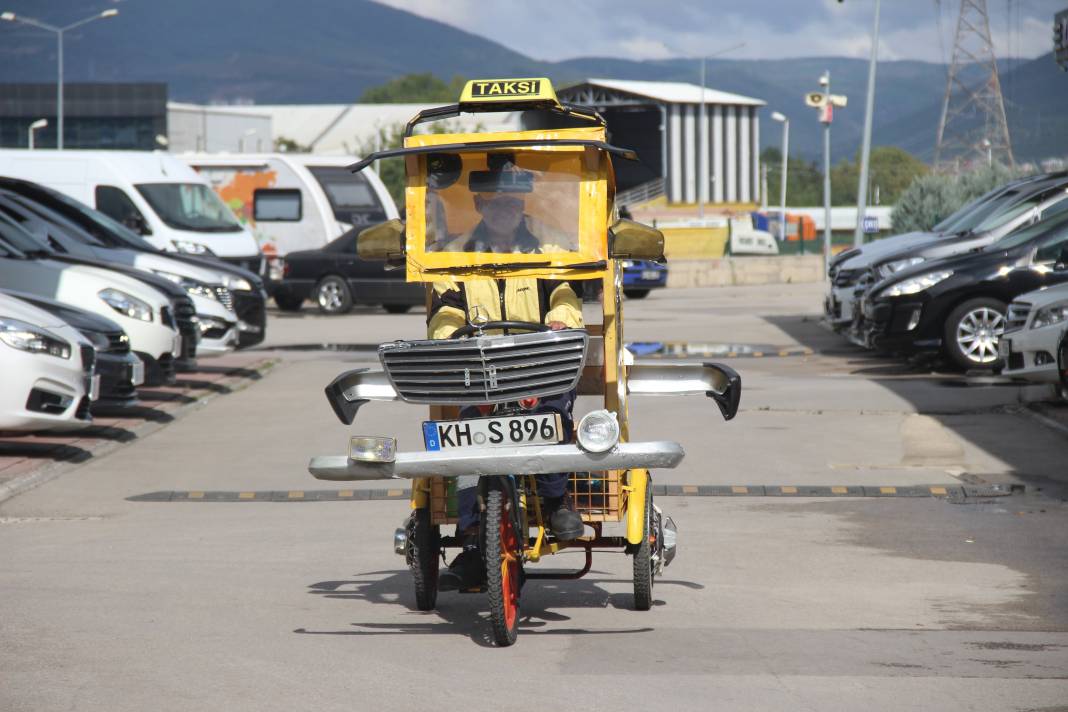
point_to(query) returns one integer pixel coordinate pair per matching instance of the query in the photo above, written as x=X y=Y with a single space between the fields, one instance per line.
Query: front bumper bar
x=528 y=460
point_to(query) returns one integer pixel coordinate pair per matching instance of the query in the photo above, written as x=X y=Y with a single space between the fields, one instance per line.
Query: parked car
x=983 y=221
x=119 y=370
x=1034 y=345
x=147 y=315
x=335 y=278
x=47 y=367
x=153 y=193
x=243 y=289
x=295 y=201
x=958 y=304
x=642 y=276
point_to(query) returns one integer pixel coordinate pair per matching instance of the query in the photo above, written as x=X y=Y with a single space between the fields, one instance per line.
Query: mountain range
x=330 y=51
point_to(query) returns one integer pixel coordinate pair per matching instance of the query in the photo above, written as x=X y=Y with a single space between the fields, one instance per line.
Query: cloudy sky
x=655 y=29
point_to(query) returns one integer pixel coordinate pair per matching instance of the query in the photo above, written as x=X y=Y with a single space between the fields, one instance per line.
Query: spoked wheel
x=972 y=331
x=423 y=554
x=643 y=557
x=504 y=564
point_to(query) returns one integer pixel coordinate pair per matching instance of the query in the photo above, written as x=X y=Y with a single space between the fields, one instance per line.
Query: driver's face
x=501 y=213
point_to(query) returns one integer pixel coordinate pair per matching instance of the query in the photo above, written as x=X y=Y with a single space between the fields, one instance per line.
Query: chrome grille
x=118 y=342
x=1017 y=316
x=485 y=369
x=225 y=297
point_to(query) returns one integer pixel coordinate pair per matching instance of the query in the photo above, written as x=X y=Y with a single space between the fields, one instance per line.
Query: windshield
x=1028 y=233
x=503 y=202
x=970 y=221
x=1007 y=214
x=20 y=239
x=189 y=206
x=347 y=192
x=947 y=225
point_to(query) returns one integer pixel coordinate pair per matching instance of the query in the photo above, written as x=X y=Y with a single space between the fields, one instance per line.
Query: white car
x=48 y=380
x=143 y=312
x=1033 y=345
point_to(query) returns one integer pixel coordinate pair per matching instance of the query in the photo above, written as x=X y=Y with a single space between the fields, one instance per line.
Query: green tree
x=890 y=171
x=804 y=179
x=414 y=89
x=929 y=199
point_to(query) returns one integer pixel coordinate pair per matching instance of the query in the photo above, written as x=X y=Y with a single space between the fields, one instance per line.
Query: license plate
x=504 y=431
x=94 y=389
x=176 y=349
x=1004 y=348
x=650 y=274
x=137 y=373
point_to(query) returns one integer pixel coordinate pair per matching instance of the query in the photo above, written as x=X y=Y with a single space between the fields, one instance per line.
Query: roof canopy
x=664 y=92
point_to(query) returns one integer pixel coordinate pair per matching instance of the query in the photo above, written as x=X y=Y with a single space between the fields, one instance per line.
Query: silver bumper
x=530 y=460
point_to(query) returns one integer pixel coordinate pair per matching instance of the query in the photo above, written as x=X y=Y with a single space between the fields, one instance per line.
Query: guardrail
x=641 y=193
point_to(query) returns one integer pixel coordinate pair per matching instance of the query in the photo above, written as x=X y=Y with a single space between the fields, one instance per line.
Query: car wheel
x=397 y=308
x=333 y=295
x=636 y=293
x=971 y=334
x=287 y=302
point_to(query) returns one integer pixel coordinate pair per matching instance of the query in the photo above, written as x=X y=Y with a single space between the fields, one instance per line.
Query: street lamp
x=775 y=115
x=865 y=149
x=702 y=129
x=38 y=124
x=12 y=17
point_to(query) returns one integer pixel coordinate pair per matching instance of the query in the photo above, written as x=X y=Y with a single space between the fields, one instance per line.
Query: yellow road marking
x=739 y=490
x=296 y=494
x=195 y=495
x=787 y=489
x=732 y=354
x=247 y=495
x=888 y=490
x=689 y=489
x=938 y=490
x=784 y=353
x=839 y=490
x=394 y=493
x=758 y=354
x=345 y=493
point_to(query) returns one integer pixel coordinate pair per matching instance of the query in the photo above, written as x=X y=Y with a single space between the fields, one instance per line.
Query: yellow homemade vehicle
x=563 y=172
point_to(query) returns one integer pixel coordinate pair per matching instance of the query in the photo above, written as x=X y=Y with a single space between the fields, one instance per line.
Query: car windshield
x=21 y=240
x=503 y=202
x=992 y=207
x=1024 y=235
x=947 y=225
x=103 y=228
x=189 y=206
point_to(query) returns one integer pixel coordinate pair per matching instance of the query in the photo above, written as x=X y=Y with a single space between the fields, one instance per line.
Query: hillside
x=330 y=52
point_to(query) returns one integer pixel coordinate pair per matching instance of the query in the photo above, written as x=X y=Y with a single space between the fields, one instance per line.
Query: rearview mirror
x=632 y=240
x=384 y=241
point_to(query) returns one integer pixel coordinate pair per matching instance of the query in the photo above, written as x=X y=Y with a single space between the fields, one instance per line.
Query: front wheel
x=289 y=303
x=502 y=554
x=333 y=295
x=643 y=557
x=972 y=331
x=423 y=553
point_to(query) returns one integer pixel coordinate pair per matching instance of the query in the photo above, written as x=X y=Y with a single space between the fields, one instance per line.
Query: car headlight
x=626 y=263
x=1053 y=314
x=193 y=287
x=237 y=284
x=916 y=284
x=890 y=268
x=27 y=337
x=598 y=431
x=126 y=304
x=192 y=248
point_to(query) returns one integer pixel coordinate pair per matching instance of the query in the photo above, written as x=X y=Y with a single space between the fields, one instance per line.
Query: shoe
x=564 y=522
x=465 y=572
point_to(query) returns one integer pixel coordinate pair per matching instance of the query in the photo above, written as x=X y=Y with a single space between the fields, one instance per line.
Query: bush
x=929 y=199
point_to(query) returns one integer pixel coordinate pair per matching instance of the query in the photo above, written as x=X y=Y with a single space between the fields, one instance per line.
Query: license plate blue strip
x=430 y=436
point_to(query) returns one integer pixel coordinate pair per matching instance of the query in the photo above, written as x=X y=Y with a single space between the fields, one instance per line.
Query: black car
x=957 y=305
x=336 y=278
x=119 y=369
x=246 y=288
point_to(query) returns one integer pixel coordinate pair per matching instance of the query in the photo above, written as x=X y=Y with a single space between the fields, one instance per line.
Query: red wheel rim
x=509 y=570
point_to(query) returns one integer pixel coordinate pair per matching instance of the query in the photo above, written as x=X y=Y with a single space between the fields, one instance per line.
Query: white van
x=151 y=192
x=295 y=201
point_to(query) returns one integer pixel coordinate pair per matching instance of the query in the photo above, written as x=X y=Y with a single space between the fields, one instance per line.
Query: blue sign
x=871 y=224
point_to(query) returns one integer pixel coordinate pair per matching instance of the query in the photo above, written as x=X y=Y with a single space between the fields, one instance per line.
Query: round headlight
x=598 y=431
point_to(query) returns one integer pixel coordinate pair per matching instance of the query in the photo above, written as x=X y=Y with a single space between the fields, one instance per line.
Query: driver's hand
x=557 y=325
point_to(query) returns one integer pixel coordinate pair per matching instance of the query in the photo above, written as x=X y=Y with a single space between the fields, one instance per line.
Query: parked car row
x=986 y=289
x=90 y=311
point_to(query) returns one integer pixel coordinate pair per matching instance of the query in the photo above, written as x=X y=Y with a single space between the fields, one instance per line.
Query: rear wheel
x=287 y=302
x=643 y=558
x=397 y=308
x=501 y=553
x=971 y=334
x=422 y=554
x=636 y=293
x=333 y=295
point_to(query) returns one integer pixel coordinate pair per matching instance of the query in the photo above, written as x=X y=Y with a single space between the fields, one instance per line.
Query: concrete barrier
x=728 y=271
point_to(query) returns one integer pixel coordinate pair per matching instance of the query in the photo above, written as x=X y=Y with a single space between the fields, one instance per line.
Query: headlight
x=896 y=266
x=27 y=337
x=916 y=284
x=237 y=284
x=193 y=287
x=1053 y=314
x=126 y=304
x=192 y=248
x=626 y=263
x=598 y=431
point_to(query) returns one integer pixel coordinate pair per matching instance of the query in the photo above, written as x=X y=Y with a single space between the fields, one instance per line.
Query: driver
x=504 y=228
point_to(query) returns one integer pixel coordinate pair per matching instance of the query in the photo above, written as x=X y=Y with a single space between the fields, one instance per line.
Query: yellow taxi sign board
x=479 y=91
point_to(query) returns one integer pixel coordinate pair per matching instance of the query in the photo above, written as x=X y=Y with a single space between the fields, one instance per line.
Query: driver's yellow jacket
x=513 y=299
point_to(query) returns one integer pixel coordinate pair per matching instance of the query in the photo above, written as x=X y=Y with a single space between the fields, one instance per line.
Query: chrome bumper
x=529 y=460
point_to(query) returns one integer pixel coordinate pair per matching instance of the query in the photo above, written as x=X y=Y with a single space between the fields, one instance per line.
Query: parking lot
x=865 y=532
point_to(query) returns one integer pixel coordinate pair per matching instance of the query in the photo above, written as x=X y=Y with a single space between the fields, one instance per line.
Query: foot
x=465 y=572
x=564 y=522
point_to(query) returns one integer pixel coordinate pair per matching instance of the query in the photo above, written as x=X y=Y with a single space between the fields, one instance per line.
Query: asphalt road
x=774 y=602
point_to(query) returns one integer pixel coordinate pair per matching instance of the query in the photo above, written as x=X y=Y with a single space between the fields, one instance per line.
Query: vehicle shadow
x=464 y=614
x=57 y=452
x=248 y=373
x=196 y=384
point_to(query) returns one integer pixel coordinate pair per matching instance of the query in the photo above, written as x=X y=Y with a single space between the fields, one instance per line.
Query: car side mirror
x=384 y=241
x=138 y=224
x=631 y=240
